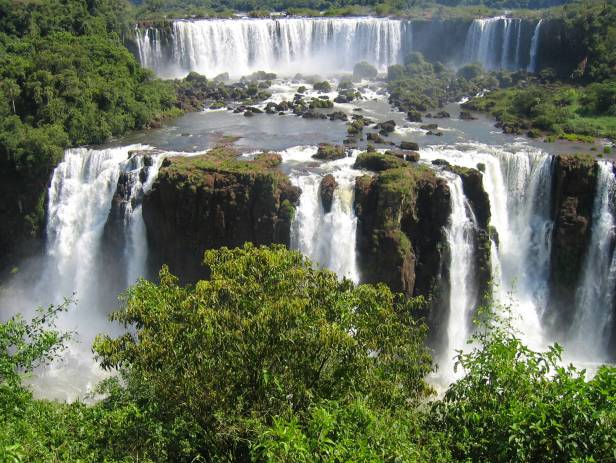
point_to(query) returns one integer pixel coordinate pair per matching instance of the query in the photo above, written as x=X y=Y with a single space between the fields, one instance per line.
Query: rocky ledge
x=214 y=200
x=401 y=214
x=573 y=192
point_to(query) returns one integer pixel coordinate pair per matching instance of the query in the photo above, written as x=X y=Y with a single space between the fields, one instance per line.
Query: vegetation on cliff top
x=225 y=159
x=272 y=360
x=467 y=9
x=554 y=108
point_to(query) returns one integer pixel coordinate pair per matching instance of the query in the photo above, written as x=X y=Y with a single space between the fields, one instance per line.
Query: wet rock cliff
x=213 y=200
x=401 y=213
x=573 y=192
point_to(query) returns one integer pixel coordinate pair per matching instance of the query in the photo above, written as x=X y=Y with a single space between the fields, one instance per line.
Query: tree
x=266 y=335
x=11 y=91
x=364 y=70
x=516 y=404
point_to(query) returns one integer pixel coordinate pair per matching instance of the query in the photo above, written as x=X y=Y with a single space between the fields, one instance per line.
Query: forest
x=272 y=360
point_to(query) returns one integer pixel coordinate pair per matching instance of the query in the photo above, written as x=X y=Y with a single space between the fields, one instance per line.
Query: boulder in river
x=326 y=192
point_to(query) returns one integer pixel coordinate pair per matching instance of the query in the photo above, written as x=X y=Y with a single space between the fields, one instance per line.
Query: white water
x=328 y=239
x=494 y=42
x=534 y=48
x=287 y=46
x=518 y=182
x=594 y=303
x=80 y=198
x=462 y=294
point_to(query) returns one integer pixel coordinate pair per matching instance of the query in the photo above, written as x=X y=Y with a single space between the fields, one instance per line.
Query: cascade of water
x=518 y=183
x=595 y=296
x=328 y=239
x=534 y=47
x=149 y=46
x=291 y=45
x=480 y=45
x=462 y=294
x=80 y=198
x=518 y=46
x=494 y=42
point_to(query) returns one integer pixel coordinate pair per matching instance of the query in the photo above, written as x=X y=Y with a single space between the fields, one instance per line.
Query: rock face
x=401 y=214
x=574 y=186
x=214 y=200
x=23 y=212
x=326 y=192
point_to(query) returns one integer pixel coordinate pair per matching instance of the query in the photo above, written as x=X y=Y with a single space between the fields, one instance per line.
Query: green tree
x=265 y=336
x=516 y=404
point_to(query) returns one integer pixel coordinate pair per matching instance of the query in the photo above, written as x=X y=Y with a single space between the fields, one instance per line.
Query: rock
x=208 y=201
x=429 y=127
x=481 y=167
x=328 y=152
x=338 y=116
x=440 y=162
x=436 y=134
x=313 y=114
x=411 y=156
x=377 y=162
x=466 y=116
x=442 y=115
x=223 y=77
x=364 y=70
x=249 y=114
x=386 y=127
x=400 y=228
x=324 y=86
x=375 y=137
x=573 y=192
x=409 y=145
x=326 y=192
x=413 y=116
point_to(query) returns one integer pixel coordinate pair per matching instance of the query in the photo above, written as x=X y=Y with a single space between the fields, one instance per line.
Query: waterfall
x=90 y=191
x=518 y=182
x=462 y=294
x=80 y=199
x=494 y=42
x=328 y=239
x=288 y=46
x=534 y=47
x=595 y=296
x=149 y=46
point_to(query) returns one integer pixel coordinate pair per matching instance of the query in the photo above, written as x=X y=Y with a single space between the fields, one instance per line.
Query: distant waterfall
x=288 y=46
x=595 y=296
x=462 y=294
x=328 y=239
x=534 y=47
x=494 y=42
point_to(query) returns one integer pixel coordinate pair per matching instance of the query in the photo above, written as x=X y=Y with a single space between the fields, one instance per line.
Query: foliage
x=515 y=404
x=420 y=85
x=564 y=110
x=364 y=70
x=273 y=360
x=333 y=432
x=264 y=336
x=24 y=346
